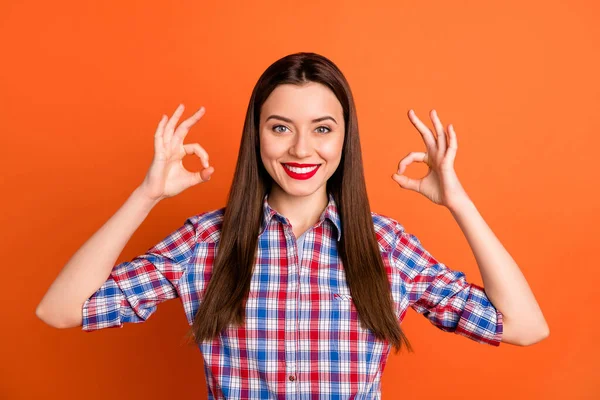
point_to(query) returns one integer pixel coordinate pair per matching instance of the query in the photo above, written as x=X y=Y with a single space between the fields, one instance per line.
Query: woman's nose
x=302 y=146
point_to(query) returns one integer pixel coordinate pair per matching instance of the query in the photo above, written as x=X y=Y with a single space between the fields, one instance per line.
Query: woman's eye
x=275 y=128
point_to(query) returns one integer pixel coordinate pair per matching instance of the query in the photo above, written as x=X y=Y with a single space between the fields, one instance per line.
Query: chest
x=299 y=317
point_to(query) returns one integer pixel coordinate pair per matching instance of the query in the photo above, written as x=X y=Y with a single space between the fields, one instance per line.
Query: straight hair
x=229 y=285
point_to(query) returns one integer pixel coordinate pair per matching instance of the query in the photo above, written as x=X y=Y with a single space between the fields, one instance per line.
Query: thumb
x=406 y=182
x=198 y=176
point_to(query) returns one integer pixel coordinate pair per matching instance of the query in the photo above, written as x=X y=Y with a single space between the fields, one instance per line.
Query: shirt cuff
x=480 y=320
x=100 y=313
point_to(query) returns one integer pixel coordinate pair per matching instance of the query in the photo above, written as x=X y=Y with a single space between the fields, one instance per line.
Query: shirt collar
x=330 y=212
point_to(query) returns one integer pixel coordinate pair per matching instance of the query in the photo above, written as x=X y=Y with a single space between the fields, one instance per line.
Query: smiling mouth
x=300 y=168
x=300 y=171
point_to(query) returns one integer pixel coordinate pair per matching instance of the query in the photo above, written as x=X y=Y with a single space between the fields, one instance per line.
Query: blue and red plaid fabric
x=302 y=338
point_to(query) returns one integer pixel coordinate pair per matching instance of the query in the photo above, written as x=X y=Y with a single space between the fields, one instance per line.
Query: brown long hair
x=224 y=300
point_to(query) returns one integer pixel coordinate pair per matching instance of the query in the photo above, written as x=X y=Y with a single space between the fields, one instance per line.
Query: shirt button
x=292 y=378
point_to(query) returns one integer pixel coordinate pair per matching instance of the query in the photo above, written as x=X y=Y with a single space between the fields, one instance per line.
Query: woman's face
x=301 y=137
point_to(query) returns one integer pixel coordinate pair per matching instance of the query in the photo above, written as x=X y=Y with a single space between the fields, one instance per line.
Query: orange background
x=83 y=86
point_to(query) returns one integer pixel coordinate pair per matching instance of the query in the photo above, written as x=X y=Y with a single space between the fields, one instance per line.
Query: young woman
x=295 y=287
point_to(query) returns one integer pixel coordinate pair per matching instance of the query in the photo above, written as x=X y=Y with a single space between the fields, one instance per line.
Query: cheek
x=332 y=150
x=270 y=150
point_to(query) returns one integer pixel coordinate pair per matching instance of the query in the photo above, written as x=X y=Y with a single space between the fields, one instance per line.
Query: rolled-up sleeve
x=443 y=295
x=135 y=288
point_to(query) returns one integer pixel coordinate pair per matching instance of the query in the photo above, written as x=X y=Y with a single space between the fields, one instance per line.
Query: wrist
x=146 y=200
x=459 y=204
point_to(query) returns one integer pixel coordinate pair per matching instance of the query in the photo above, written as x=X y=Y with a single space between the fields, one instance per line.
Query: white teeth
x=300 y=170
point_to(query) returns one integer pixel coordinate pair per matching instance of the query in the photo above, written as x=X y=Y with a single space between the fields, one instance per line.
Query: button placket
x=291 y=324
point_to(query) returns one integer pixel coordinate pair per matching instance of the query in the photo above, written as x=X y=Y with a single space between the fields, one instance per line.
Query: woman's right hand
x=167 y=177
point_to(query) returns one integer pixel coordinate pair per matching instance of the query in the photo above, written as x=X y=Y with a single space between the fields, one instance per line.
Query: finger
x=195 y=148
x=415 y=156
x=406 y=182
x=202 y=176
x=453 y=146
x=171 y=124
x=183 y=128
x=439 y=129
x=428 y=137
x=158 y=135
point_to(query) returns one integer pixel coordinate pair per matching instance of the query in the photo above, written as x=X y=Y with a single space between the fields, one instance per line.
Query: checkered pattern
x=302 y=338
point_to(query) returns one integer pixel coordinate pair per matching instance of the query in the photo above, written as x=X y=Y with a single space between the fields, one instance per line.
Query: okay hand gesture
x=167 y=176
x=440 y=185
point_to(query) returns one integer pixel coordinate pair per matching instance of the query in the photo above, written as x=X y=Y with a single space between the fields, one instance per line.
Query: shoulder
x=208 y=225
x=387 y=230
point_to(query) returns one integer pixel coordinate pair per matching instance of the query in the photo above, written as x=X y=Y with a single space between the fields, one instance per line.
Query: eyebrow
x=291 y=122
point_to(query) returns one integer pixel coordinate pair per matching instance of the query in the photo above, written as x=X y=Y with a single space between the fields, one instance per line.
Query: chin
x=300 y=191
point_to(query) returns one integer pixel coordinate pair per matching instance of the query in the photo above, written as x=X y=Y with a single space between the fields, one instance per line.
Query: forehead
x=311 y=100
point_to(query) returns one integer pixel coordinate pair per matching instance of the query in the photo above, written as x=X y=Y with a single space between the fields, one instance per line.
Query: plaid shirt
x=302 y=338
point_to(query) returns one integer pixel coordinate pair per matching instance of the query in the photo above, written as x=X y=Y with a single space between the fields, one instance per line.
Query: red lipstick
x=301 y=176
x=293 y=164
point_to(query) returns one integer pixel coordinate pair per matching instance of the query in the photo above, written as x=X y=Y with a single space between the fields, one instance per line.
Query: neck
x=303 y=212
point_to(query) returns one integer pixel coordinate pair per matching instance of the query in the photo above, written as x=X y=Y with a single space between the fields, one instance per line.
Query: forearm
x=504 y=283
x=91 y=265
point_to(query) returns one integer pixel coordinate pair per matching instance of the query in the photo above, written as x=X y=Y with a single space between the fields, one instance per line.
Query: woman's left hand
x=440 y=185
